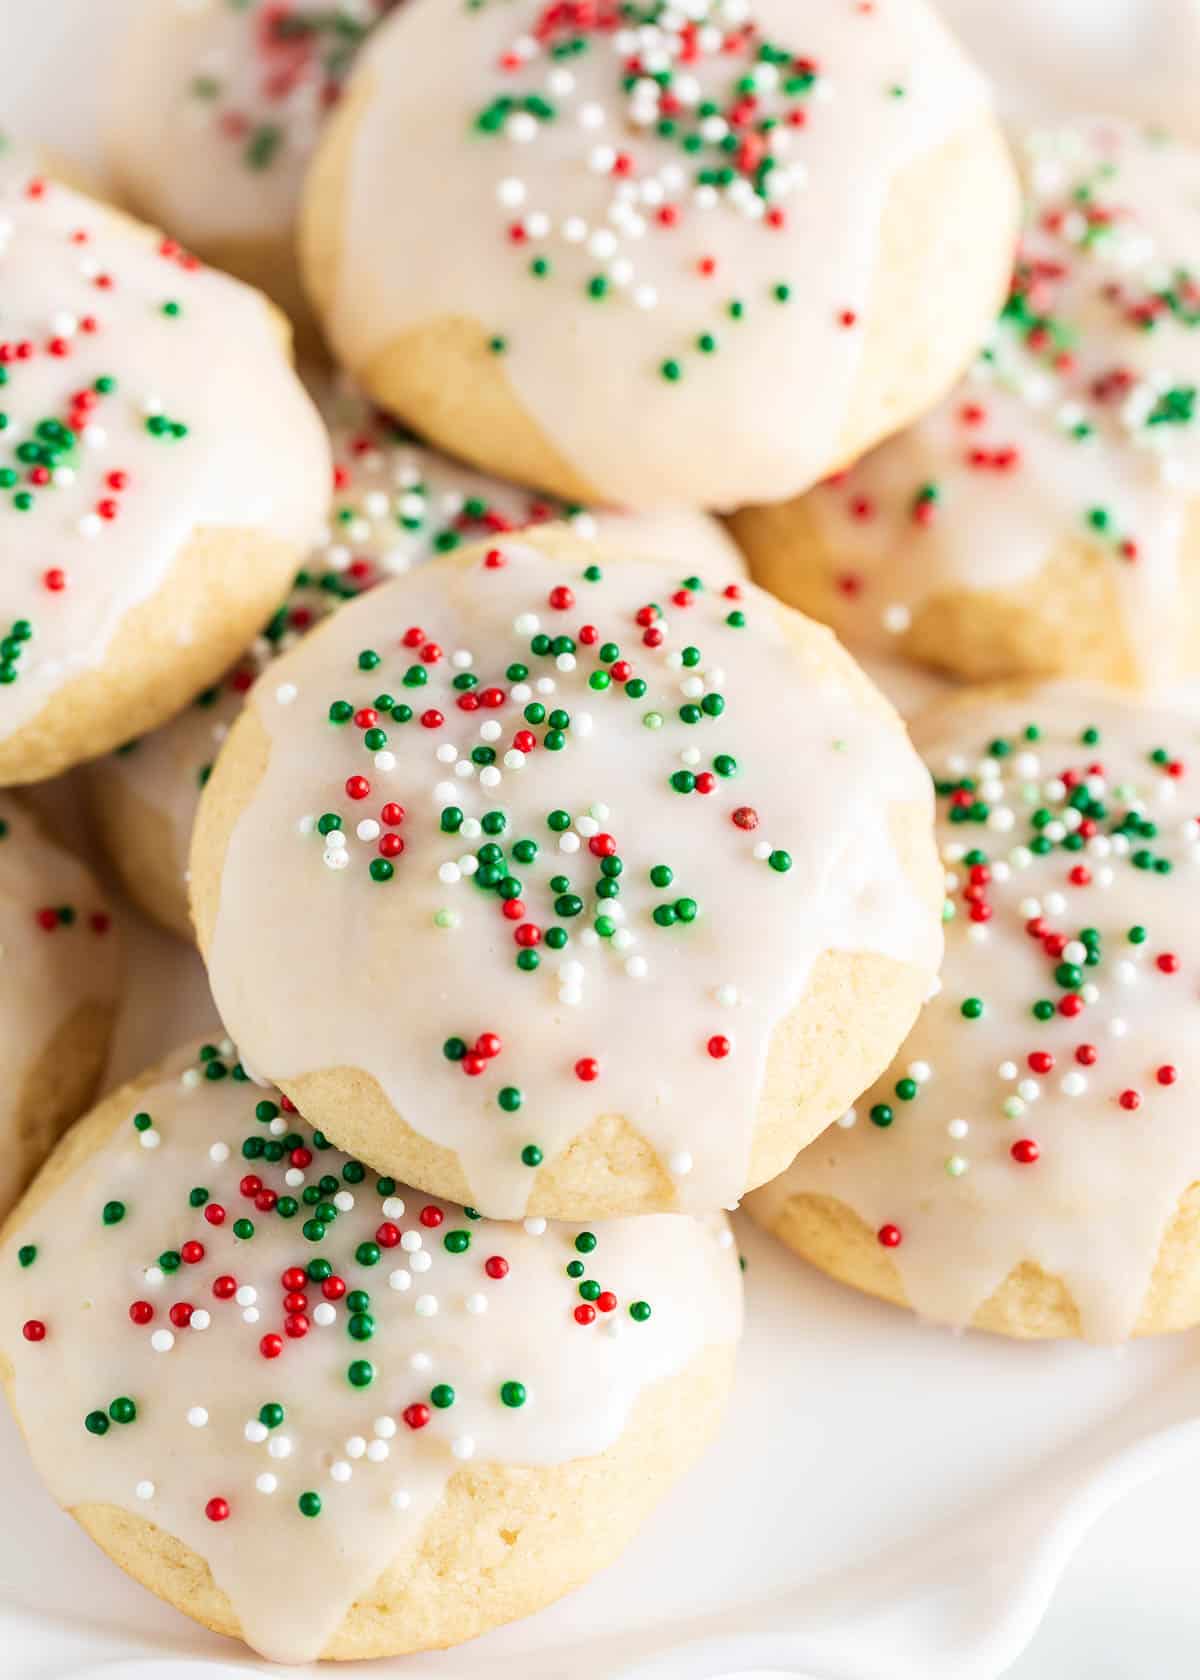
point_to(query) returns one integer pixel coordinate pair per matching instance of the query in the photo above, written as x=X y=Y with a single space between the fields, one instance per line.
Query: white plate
x=888 y=1502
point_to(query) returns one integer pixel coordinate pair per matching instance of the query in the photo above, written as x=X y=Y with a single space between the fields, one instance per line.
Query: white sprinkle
x=476 y=1304
x=535 y=1227
x=324 y=1314
x=463 y=1446
x=377 y=1451
x=421 y=1262
x=400 y=1279
x=219 y=1152
x=680 y=1164
x=280 y=1446
x=255 y=1432
x=197 y=1417
x=162 y=1341
x=266 y=1483
x=393 y=1208
x=144 y=1490
x=286 y=693
x=340 y=1470
x=384 y=1427
x=426 y=1306
x=246 y=1295
x=356 y=1446
x=200 y=1319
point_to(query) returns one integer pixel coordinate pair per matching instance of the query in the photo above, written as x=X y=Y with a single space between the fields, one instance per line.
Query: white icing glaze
x=816 y=769
x=1093 y=1207
x=214 y=107
x=112 y=503
x=1014 y=480
x=439 y=1318
x=396 y=505
x=58 y=952
x=753 y=420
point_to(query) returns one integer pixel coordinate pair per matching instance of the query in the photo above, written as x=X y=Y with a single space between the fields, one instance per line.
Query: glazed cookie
x=1044 y=520
x=161 y=474
x=214 y=107
x=396 y=505
x=314 y=1409
x=618 y=888
x=61 y=983
x=758 y=234
x=1030 y=1163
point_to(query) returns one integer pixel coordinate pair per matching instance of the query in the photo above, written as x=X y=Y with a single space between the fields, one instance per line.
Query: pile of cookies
x=557 y=884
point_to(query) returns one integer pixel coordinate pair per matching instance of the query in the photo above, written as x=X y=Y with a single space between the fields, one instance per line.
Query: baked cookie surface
x=1029 y=1163
x=213 y=112
x=396 y=505
x=617 y=885
x=62 y=981
x=1042 y=521
x=328 y=1415
x=758 y=236
x=155 y=497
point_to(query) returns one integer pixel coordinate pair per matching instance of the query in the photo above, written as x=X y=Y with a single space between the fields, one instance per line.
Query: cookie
x=314 y=1409
x=161 y=473
x=563 y=888
x=759 y=235
x=1043 y=520
x=396 y=504
x=213 y=113
x=1029 y=1164
x=61 y=967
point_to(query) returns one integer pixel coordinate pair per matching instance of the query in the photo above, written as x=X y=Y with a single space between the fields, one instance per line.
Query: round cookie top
x=674 y=208
x=60 y=955
x=221 y=1324
x=1075 y=431
x=563 y=842
x=1043 y=1109
x=143 y=399
x=216 y=106
x=396 y=504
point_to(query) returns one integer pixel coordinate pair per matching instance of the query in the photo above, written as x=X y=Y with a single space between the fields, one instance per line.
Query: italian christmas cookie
x=759 y=234
x=319 y=1411
x=396 y=505
x=214 y=107
x=1042 y=521
x=1029 y=1164
x=61 y=989
x=561 y=887
x=161 y=473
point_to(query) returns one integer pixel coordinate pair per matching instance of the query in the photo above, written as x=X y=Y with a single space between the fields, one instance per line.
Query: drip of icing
x=607 y=253
x=780 y=851
x=1105 y=1086
x=145 y=398
x=215 y=107
x=1075 y=426
x=509 y=1363
x=58 y=952
x=397 y=504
